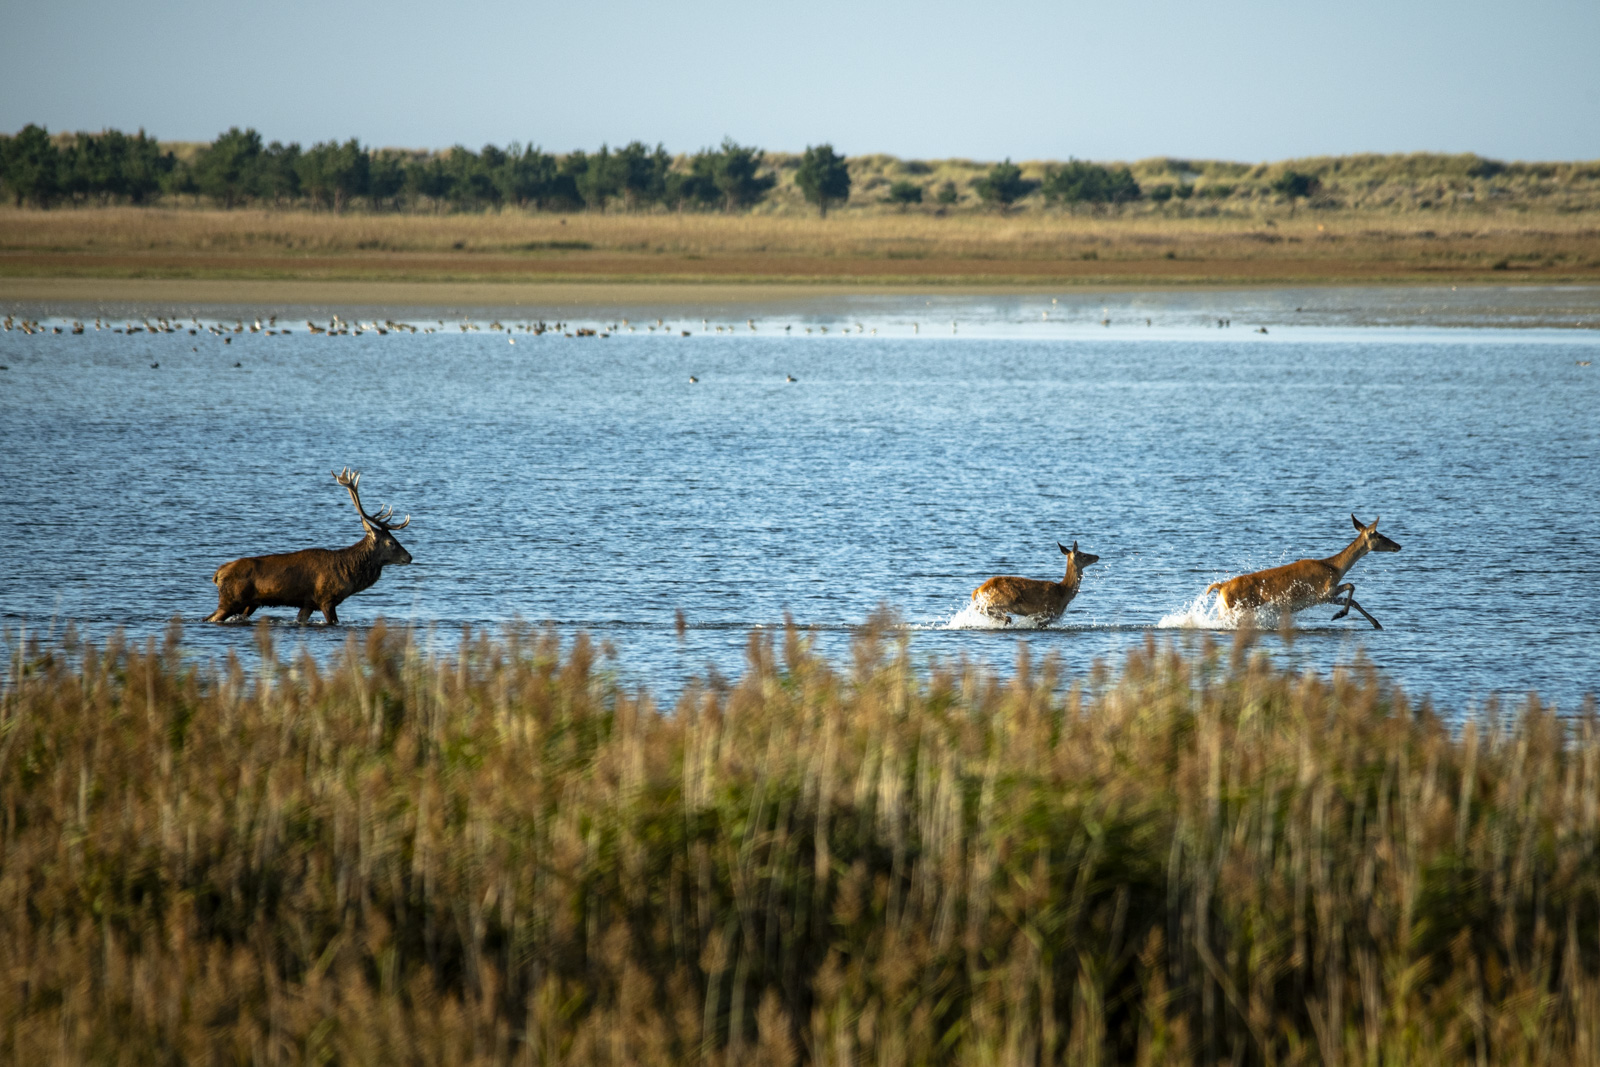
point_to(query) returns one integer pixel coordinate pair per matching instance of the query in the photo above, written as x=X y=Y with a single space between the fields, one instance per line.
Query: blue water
x=588 y=483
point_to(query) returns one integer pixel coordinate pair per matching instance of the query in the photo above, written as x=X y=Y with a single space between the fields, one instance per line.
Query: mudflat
x=282 y=292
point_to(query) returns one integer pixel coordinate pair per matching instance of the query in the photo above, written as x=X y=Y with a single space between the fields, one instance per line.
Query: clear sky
x=1233 y=79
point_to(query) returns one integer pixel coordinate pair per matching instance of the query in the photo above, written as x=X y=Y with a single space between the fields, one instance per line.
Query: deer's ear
x=1356 y=521
x=1065 y=551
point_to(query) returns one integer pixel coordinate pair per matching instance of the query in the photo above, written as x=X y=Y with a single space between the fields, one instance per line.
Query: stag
x=1040 y=601
x=313 y=578
x=1308 y=582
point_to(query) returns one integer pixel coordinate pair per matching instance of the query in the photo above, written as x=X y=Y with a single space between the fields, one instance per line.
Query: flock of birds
x=341 y=327
x=338 y=326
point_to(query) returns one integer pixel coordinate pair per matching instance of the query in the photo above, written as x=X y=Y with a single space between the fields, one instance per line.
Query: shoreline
x=556 y=297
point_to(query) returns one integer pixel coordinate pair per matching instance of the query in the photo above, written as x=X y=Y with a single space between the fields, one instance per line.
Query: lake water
x=926 y=444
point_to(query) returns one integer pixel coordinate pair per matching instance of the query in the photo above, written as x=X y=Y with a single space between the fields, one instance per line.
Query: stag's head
x=1075 y=559
x=1371 y=539
x=378 y=526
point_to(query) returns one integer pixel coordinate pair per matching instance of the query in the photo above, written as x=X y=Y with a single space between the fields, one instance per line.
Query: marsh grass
x=500 y=855
x=1039 y=244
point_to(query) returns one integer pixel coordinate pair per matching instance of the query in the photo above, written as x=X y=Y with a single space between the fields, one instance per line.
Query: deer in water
x=313 y=578
x=1307 y=582
x=1040 y=601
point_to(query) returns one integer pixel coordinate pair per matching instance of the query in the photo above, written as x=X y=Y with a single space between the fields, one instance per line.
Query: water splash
x=1205 y=612
x=970 y=618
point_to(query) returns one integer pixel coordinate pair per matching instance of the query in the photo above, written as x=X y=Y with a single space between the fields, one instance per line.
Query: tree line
x=239 y=168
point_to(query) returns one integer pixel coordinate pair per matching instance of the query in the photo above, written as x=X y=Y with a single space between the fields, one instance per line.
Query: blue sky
x=1233 y=79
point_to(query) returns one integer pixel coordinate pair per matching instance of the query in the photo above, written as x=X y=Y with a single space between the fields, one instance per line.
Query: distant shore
x=513 y=259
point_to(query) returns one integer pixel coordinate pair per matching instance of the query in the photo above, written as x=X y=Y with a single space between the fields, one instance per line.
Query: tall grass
x=501 y=855
x=844 y=246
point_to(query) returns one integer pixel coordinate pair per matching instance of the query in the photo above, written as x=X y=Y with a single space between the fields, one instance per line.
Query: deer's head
x=1371 y=539
x=1076 y=560
x=387 y=549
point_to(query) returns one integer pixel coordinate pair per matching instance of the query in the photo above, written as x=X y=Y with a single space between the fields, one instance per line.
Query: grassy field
x=499 y=856
x=874 y=247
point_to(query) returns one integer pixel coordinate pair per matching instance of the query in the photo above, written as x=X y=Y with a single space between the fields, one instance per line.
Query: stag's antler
x=351 y=480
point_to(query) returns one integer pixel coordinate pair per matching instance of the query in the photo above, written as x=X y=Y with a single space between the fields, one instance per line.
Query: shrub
x=1078 y=182
x=1004 y=185
x=904 y=194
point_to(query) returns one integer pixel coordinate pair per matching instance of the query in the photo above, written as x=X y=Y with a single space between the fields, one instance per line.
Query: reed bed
x=864 y=244
x=501 y=855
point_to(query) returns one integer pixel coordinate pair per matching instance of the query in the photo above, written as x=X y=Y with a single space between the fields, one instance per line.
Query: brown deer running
x=313 y=578
x=1039 y=601
x=1307 y=582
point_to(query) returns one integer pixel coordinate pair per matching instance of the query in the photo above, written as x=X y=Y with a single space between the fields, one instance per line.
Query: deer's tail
x=1213 y=587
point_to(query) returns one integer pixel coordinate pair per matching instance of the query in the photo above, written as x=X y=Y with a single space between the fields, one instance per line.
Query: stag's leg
x=227 y=607
x=305 y=614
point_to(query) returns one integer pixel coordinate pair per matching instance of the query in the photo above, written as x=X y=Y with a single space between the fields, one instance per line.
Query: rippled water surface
x=588 y=482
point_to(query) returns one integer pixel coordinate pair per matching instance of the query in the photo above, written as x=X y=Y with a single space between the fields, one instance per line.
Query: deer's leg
x=1350 y=602
x=332 y=616
x=989 y=611
x=249 y=611
x=227 y=607
x=305 y=614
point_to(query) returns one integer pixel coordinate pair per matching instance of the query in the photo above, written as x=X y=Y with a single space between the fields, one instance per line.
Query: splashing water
x=1205 y=612
x=970 y=618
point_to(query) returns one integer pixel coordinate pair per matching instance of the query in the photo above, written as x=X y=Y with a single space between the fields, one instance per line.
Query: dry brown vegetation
x=502 y=856
x=1029 y=247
